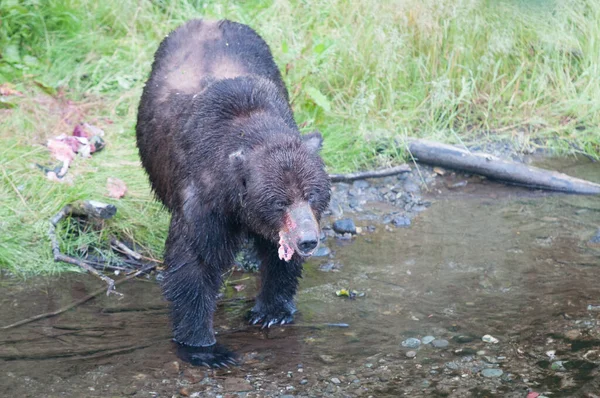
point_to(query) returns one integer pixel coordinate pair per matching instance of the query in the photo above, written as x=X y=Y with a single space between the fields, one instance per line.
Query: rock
x=410 y=186
x=427 y=339
x=172 y=368
x=558 y=366
x=490 y=339
x=411 y=343
x=303 y=381
x=401 y=221
x=463 y=338
x=184 y=392
x=360 y=184
x=330 y=266
x=593 y=307
x=326 y=358
x=236 y=384
x=322 y=251
x=335 y=380
x=595 y=240
x=573 y=334
x=411 y=354
x=491 y=373
x=440 y=343
x=452 y=365
x=343 y=226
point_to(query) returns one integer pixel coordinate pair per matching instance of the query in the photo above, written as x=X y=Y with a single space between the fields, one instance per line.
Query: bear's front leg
x=191 y=283
x=275 y=302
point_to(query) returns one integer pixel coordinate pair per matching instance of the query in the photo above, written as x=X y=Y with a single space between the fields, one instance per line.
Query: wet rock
x=344 y=226
x=558 y=366
x=335 y=380
x=463 y=338
x=330 y=266
x=236 y=384
x=595 y=240
x=322 y=251
x=401 y=221
x=593 y=307
x=490 y=339
x=573 y=334
x=411 y=343
x=452 y=365
x=411 y=354
x=172 y=368
x=360 y=184
x=491 y=373
x=427 y=339
x=410 y=186
x=303 y=381
x=326 y=358
x=440 y=343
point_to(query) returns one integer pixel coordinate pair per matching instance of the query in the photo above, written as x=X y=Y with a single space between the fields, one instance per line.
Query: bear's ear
x=313 y=141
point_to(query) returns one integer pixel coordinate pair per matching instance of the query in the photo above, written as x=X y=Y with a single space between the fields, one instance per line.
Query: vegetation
x=367 y=74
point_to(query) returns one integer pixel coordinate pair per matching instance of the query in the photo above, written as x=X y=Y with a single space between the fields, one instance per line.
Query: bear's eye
x=280 y=204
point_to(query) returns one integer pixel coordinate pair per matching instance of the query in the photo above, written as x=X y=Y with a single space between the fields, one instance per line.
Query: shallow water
x=483 y=259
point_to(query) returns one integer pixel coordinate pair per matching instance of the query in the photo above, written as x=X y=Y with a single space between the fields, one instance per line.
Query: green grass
x=367 y=74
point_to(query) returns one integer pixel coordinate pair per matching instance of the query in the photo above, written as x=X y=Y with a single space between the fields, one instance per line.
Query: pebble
x=558 y=366
x=335 y=380
x=360 y=184
x=303 y=381
x=490 y=373
x=463 y=338
x=322 y=251
x=410 y=186
x=592 y=307
x=573 y=334
x=427 y=339
x=452 y=365
x=490 y=339
x=411 y=354
x=411 y=343
x=345 y=225
x=401 y=221
x=440 y=343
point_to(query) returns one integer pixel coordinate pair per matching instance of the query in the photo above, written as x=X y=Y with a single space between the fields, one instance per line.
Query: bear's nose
x=306 y=246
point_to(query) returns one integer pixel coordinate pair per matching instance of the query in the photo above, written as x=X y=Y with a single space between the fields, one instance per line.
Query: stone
x=322 y=251
x=427 y=339
x=491 y=373
x=236 y=384
x=440 y=343
x=411 y=354
x=343 y=226
x=401 y=221
x=411 y=343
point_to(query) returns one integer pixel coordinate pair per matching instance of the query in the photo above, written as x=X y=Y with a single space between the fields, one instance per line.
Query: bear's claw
x=214 y=356
x=270 y=319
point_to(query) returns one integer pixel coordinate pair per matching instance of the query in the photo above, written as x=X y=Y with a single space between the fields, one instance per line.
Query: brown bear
x=218 y=139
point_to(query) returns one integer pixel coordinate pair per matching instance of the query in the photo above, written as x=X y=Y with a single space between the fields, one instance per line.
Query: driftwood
x=403 y=168
x=492 y=167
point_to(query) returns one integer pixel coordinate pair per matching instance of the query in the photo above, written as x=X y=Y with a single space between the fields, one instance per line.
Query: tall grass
x=368 y=74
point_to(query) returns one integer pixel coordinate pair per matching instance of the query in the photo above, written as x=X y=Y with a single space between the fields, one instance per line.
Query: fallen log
x=437 y=154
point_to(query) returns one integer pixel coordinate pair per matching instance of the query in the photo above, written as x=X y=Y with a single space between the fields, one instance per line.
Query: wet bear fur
x=218 y=139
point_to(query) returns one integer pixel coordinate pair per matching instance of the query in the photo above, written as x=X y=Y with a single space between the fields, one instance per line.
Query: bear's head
x=285 y=191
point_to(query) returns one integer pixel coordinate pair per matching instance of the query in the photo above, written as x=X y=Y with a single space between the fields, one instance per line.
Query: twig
x=74 y=304
x=122 y=247
x=361 y=175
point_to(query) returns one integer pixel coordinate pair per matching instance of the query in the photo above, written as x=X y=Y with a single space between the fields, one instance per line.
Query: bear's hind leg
x=191 y=283
x=275 y=302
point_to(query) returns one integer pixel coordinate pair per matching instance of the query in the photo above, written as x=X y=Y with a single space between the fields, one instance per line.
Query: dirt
x=475 y=258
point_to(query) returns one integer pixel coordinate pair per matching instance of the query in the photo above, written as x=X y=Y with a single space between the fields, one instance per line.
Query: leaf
x=319 y=98
x=284 y=47
x=319 y=48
